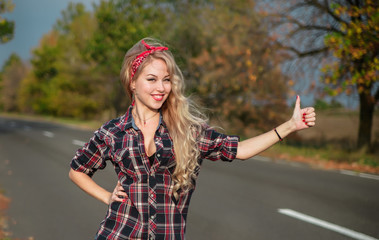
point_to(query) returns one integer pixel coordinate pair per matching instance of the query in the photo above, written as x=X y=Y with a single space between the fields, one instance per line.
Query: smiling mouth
x=158 y=97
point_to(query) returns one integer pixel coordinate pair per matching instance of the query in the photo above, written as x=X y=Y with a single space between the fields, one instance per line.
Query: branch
x=315 y=27
x=303 y=54
x=324 y=8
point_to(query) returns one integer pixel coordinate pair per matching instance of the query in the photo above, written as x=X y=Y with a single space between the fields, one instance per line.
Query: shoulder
x=113 y=127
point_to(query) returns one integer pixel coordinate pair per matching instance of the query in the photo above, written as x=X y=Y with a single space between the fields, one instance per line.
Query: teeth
x=158 y=97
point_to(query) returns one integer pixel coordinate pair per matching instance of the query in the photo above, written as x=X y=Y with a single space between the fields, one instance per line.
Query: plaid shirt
x=150 y=211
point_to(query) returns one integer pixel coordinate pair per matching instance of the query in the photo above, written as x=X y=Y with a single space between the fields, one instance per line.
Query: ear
x=133 y=85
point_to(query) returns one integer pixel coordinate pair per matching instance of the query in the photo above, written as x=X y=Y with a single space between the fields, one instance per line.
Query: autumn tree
x=6 y=26
x=343 y=36
x=224 y=50
x=233 y=68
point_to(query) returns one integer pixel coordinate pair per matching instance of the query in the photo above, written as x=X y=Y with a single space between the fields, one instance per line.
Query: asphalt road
x=255 y=199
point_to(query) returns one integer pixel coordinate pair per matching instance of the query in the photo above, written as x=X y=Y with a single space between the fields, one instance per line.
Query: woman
x=157 y=148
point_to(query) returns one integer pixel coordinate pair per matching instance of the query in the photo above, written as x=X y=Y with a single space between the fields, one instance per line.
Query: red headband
x=141 y=57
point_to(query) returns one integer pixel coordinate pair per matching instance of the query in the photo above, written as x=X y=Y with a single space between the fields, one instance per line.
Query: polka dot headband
x=141 y=57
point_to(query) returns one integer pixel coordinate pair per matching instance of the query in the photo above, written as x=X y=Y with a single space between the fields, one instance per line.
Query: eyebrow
x=150 y=74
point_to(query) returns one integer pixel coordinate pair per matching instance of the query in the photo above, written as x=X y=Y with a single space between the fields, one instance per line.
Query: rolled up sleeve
x=92 y=156
x=216 y=146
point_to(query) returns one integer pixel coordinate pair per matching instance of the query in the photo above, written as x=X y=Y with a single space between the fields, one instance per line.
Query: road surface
x=254 y=199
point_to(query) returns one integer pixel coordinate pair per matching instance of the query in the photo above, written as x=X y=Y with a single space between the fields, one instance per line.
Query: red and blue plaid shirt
x=150 y=211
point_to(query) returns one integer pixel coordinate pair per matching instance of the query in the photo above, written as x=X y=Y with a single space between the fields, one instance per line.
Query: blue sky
x=33 y=19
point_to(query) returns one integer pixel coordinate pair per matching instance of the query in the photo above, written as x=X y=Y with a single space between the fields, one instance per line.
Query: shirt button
x=152 y=195
x=152 y=217
x=158 y=155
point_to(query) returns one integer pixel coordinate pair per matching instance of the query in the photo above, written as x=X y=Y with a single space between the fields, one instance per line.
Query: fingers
x=309 y=110
x=309 y=117
x=119 y=194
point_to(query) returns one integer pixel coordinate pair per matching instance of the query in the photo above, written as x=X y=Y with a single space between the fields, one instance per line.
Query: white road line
x=364 y=175
x=78 y=142
x=48 y=134
x=327 y=225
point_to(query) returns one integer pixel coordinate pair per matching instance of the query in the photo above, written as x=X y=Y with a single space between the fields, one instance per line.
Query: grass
x=329 y=157
x=330 y=142
x=83 y=124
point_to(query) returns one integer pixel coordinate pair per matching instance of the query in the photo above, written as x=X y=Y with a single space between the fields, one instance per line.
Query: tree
x=120 y=24
x=344 y=33
x=61 y=83
x=233 y=67
x=76 y=66
x=13 y=72
x=6 y=26
x=35 y=89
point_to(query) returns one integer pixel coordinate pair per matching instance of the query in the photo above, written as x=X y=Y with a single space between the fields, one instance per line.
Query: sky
x=33 y=19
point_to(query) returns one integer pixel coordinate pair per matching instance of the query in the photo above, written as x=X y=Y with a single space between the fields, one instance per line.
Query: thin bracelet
x=280 y=138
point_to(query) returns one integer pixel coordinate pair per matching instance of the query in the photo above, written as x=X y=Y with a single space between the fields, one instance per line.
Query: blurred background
x=244 y=61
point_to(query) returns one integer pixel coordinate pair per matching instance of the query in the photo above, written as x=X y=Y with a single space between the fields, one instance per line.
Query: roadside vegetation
x=241 y=59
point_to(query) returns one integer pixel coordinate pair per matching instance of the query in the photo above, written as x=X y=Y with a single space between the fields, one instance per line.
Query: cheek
x=168 y=87
x=143 y=87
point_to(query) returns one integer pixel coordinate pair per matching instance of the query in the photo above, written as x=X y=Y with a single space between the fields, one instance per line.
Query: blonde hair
x=179 y=114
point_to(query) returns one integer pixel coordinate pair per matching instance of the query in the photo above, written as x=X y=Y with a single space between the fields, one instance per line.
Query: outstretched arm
x=301 y=119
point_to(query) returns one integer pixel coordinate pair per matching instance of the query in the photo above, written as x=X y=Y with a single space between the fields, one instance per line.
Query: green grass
x=329 y=153
x=84 y=124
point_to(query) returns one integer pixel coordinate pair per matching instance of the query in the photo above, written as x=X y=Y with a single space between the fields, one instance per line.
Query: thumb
x=297 y=104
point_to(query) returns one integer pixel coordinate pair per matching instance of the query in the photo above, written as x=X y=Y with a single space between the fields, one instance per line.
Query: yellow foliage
x=253 y=77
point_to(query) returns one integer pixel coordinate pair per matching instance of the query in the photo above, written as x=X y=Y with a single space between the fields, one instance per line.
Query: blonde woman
x=157 y=148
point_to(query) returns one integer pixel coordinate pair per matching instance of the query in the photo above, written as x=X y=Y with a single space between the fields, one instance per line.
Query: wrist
x=285 y=129
x=291 y=125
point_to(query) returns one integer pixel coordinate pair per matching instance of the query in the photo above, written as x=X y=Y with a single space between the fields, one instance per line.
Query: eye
x=167 y=79
x=151 y=79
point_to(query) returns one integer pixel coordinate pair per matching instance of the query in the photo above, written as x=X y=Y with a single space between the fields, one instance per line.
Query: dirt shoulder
x=4 y=203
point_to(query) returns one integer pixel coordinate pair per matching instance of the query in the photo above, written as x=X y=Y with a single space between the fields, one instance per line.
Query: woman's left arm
x=301 y=119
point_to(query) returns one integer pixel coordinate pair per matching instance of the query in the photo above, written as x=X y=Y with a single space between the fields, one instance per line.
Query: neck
x=144 y=117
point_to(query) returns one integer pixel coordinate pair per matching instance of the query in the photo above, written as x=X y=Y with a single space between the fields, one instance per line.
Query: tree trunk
x=366 y=114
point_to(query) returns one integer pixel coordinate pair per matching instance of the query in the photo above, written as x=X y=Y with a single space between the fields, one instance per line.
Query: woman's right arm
x=88 y=185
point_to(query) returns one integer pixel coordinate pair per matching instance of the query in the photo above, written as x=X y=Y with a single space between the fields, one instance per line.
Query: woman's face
x=153 y=85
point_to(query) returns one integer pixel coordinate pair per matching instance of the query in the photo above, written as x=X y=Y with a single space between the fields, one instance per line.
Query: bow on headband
x=141 y=57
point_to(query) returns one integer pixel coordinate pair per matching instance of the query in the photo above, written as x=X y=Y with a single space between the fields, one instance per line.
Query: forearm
x=253 y=146
x=89 y=186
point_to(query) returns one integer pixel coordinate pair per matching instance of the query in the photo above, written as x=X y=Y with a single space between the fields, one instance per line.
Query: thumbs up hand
x=303 y=118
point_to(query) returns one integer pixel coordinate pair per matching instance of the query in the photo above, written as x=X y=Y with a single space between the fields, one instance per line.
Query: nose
x=160 y=86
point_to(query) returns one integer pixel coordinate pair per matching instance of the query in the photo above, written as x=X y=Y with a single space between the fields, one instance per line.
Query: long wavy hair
x=183 y=119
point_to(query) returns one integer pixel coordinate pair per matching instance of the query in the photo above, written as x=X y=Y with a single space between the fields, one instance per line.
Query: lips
x=158 y=97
